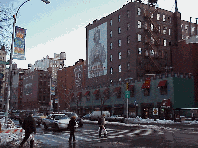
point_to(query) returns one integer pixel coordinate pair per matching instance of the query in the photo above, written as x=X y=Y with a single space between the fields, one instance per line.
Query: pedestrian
x=101 y=123
x=72 y=124
x=29 y=126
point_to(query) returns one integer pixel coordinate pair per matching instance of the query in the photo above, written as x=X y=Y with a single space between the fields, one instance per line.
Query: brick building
x=133 y=43
x=36 y=90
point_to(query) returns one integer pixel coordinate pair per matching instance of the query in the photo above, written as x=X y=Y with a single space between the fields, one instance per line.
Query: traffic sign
x=127 y=94
x=155 y=111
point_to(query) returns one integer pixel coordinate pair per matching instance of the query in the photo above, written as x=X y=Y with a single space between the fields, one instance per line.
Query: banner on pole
x=19 y=43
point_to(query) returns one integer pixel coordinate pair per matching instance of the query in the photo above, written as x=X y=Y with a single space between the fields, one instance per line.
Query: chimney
x=190 y=27
x=196 y=27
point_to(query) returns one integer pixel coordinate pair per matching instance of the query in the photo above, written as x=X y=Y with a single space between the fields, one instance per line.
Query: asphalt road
x=120 y=136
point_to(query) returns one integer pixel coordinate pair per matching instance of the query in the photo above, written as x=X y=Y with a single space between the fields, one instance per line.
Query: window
x=164 y=29
x=119 y=79
x=111 y=45
x=111 y=81
x=128 y=13
x=128 y=52
x=164 y=42
x=128 y=39
x=119 y=68
x=158 y=16
x=119 y=30
x=128 y=26
x=146 y=92
x=152 y=52
x=169 y=31
x=146 y=25
x=159 y=29
x=186 y=28
x=192 y=30
x=119 y=16
x=152 y=40
x=128 y=66
x=151 y=27
x=119 y=55
x=139 y=37
x=119 y=43
x=139 y=51
x=151 y=15
x=164 y=18
x=111 y=22
x=139 y=24
x=146 y=53
x=139 y=11
x=170 y=19
x=111 y=58
x=111 y=70
x=111 y=34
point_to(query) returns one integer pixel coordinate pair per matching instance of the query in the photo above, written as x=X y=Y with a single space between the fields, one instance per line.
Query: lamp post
x=10 y=63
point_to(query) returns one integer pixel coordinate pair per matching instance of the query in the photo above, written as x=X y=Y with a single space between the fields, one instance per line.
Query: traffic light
x=127 y=86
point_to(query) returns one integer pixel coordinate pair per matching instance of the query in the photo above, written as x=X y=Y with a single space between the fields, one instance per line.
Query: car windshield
x=58 y=117
x=71 y=114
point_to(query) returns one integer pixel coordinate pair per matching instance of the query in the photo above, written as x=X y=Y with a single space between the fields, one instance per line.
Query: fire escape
x=152 y=43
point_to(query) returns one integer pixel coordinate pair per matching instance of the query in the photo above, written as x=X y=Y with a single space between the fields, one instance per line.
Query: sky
x=60 y=26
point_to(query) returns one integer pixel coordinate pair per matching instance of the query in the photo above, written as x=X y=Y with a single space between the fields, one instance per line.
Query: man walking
x=101 y=122
x=72 y=124
x=29 y=126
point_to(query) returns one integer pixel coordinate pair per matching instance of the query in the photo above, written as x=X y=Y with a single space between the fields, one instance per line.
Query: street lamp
x=10 y=63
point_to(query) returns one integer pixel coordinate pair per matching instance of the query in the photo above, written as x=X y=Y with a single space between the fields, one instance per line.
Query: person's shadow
x=72 y=145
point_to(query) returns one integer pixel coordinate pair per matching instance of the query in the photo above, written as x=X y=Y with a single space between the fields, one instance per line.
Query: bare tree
x=6 y=30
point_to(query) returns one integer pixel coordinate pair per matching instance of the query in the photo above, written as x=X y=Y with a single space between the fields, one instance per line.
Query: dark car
x=79 y=121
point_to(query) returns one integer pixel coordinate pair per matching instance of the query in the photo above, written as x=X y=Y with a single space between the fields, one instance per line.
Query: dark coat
x=29 y=125
x=72 y=124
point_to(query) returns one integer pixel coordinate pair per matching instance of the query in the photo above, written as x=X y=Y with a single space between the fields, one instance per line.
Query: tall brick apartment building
x=133 y=41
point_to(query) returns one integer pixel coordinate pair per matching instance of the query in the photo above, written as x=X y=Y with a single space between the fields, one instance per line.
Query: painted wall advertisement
x=19 y=43
x=97 y=51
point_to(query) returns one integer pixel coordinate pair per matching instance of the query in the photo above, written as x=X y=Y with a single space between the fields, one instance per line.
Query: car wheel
x=56 y=127
x=45 y=126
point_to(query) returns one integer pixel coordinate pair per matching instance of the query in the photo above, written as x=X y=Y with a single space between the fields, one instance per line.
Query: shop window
x=158 y=16
x=111 y=34
x=146 y=92
x=111 y=22
x=139 y=51
x=111 y=58
x=119 y=68
x=119 y=55
x=111 y=45
x=119 y=43
x=139 y=24
x=119 y=30
x=139 y=11
x=139 y=37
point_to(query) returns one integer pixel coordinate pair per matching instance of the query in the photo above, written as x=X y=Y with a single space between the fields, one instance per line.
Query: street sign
x=127 y=94
x=155 y=111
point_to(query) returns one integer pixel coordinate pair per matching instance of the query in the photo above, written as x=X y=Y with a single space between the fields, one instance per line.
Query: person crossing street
x=71 y=126
x=101 y=123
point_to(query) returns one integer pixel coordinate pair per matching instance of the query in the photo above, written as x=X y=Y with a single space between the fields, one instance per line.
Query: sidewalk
x=139 y=121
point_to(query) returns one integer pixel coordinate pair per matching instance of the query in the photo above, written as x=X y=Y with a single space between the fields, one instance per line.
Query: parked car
x=2 y=114
x=96 y=114
x=115 y=118
x=56 y=121
x=78 y=119
x=87 y=116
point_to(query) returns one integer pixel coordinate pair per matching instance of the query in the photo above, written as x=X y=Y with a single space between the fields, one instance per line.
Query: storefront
x=119 y=109
x=147 y=110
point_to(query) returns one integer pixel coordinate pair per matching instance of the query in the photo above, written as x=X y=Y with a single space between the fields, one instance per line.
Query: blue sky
x=60 y=26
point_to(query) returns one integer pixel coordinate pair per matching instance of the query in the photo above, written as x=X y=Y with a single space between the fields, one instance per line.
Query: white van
x=95 y=114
